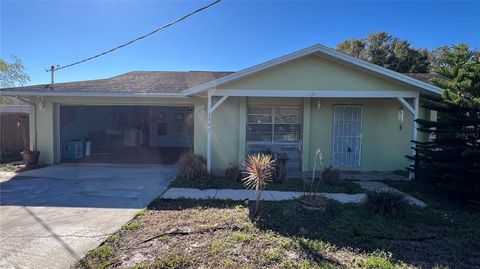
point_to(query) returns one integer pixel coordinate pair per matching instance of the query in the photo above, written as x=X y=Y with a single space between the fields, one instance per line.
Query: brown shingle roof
x=137 y=82
x=154 y=82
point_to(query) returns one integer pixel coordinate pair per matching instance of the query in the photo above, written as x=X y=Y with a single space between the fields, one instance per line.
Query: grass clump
x=112 y=238
x=134 y=224
x=385 y=203
x=274 y=255
x=379 y=260
x=100 y=258
x=243 y=237
x=171 y=262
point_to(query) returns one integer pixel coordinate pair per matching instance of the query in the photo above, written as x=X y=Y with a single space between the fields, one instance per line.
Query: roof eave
x=60 y=93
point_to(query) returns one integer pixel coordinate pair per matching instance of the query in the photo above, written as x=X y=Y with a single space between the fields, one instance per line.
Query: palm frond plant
x=317 y=159
x=258 y=172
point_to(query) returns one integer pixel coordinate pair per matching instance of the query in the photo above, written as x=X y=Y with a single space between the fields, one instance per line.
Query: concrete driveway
x=50 y=217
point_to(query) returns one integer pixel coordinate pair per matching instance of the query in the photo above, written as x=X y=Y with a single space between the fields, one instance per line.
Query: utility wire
x=136 y=39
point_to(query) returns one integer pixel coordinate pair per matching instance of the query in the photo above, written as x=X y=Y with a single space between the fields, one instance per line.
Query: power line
x=53 y=68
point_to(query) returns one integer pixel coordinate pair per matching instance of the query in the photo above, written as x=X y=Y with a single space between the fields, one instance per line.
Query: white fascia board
x=315 y=93
x=322 y=50
x=60 y=93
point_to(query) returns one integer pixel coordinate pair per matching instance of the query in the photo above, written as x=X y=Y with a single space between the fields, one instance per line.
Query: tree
x=12 y=75
x=452 y=159
x=388 y=51
x=461 y=66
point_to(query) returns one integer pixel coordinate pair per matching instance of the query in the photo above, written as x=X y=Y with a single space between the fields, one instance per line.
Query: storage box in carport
x=72 y=150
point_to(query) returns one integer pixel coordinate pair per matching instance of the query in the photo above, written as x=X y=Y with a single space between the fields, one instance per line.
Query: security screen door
x=347 y=135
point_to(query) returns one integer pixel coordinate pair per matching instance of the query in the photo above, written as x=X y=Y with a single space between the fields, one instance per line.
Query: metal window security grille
x=347 y=135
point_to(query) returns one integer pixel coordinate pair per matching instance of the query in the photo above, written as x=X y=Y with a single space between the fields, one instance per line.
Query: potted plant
x=30 y=157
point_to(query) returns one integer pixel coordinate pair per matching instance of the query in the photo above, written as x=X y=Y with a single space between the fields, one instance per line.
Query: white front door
x=347 y=135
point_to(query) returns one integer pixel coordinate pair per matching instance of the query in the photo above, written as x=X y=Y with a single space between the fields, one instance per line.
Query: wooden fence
x=13 y=127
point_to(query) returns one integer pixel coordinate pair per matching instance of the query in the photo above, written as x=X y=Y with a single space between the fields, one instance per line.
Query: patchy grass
x=222 y=234
x=292 y=184
x=132 y=225
x=100 y=258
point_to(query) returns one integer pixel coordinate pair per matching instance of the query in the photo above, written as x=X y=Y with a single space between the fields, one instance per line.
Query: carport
x=125 y=134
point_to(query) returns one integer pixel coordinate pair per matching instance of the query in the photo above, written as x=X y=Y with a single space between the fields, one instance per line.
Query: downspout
x=34 y=120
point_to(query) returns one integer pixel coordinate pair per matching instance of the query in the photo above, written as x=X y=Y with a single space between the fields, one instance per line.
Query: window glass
x=259 y=132
x=273 y=124
x=259 y=118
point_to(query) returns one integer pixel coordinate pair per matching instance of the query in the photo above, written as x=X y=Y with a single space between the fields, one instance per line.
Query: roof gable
x=329 y=54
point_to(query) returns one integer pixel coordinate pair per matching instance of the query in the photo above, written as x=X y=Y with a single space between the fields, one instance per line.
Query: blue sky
x=229 y=36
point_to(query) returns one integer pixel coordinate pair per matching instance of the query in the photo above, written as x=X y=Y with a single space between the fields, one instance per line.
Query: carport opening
x=125 y=134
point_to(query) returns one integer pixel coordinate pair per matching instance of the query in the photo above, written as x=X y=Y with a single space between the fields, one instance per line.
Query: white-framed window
x=347 y=135
x=273 y=124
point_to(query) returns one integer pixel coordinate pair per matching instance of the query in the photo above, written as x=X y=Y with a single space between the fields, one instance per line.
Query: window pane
x=287 y=115
x=287 y=132
x=259 y=133
x=286 y=119
x=288 y=110
x=260 y=110
x=259 y=119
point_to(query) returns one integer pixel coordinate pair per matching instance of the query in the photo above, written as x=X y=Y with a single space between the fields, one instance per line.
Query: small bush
x=331 y=176
x=192 y=166
x=232 y=172
x=385 y=203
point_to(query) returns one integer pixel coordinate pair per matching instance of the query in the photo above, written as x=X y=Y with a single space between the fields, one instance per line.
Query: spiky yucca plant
x=258 y=172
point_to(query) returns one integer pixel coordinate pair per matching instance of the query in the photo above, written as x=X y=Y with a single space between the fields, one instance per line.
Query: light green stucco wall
x=311 y=73
x=383 y=144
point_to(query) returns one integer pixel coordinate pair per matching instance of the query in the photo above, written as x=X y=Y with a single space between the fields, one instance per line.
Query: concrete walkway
x=380 y=186
x=239 y=195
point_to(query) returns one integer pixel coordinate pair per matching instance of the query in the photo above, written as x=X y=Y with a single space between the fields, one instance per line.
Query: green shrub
x=385 y=203
x=232 y=172
x=192 y=166
x=331 y=176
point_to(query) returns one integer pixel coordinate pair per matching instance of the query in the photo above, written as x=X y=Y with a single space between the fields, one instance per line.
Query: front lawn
x=223 y=234
x=291 y=184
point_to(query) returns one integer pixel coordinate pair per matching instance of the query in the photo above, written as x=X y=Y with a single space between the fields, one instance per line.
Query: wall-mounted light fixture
x=318 y=105
x=401 y=112
x=41 y=104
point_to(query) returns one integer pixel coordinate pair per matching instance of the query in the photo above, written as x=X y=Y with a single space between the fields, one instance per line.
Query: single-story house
x=359 y=114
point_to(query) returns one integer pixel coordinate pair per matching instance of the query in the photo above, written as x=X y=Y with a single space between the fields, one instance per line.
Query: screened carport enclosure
x=118 y=134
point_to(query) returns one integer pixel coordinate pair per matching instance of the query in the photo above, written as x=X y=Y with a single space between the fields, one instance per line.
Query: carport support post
x=416 y=104
x=211 y=108
x=209 y=133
